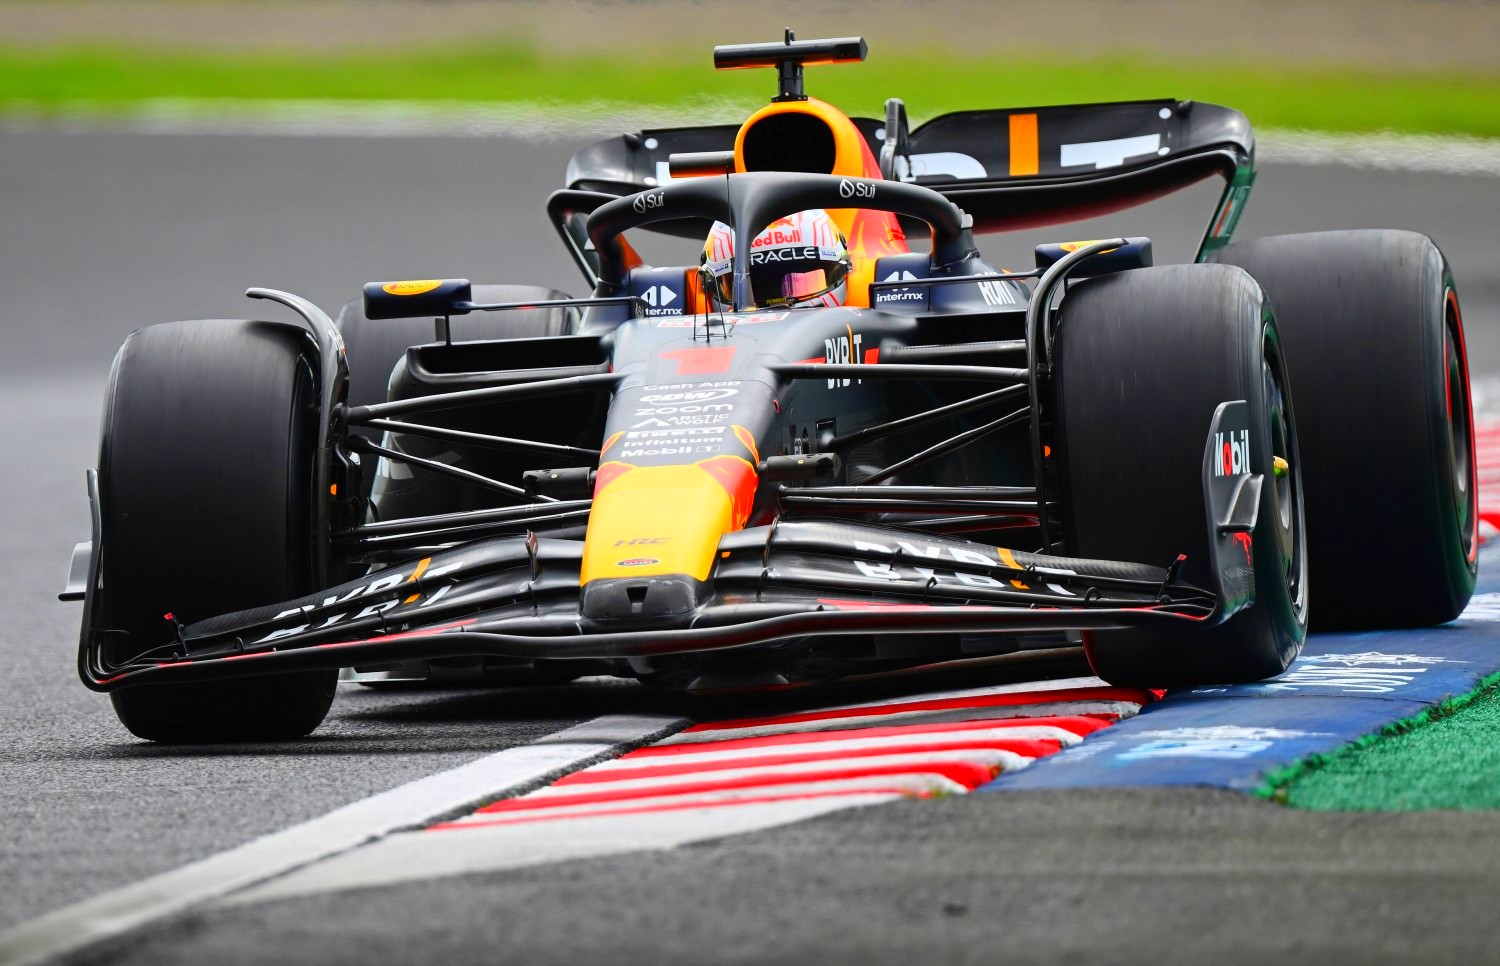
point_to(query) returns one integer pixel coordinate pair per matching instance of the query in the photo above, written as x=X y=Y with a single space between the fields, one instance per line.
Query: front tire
x=206 y=487
x=1142 y=360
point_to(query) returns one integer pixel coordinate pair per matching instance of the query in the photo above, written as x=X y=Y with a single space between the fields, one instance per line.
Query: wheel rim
x=1460 y=428
x=1286 y=477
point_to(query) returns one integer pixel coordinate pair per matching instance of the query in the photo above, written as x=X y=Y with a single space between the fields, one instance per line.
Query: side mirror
x=430 y=296
x=1136 y=253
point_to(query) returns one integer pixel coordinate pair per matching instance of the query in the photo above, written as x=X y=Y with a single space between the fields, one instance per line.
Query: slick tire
x=1142 y=358
x=206 y=483
x=1375 y=344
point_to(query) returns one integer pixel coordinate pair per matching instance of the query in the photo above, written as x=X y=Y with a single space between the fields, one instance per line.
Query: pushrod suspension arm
x=483 y=439
x=362 y=445
x=949 y=445
x=446 y=537
x=361 y=415
x=440 y=521
x=880 y=430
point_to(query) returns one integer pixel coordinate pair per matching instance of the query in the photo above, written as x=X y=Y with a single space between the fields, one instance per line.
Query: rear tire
x=206 y=486
x=1374 y=341
x=1142 y=360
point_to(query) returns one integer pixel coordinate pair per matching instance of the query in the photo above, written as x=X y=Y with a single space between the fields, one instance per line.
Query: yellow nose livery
x=653 y=520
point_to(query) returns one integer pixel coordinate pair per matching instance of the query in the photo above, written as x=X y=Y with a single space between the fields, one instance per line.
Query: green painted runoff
x=118 y=79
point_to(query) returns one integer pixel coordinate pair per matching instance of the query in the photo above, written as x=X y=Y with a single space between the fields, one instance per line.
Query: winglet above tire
x=1231 y=495
x=409 y=299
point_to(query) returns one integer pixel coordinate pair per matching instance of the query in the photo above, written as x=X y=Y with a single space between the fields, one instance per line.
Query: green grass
x=118 y=79
x=1445 y=757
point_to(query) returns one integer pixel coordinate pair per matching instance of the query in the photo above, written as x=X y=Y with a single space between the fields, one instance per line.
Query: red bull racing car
x=839 y=442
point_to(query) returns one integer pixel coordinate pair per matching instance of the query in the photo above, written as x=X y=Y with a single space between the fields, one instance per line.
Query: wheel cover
x=1286 y=477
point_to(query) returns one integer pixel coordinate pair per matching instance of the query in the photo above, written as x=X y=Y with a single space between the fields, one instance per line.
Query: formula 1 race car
x=691 y=480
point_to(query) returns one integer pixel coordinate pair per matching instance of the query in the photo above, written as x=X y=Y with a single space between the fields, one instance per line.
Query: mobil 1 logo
x=1232 y=449
x=1233 y=495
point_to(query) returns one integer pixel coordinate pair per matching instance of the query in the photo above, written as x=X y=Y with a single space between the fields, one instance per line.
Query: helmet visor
x=781 y=276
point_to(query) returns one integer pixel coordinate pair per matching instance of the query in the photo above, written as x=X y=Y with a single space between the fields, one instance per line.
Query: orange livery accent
x=737 y=477
x=610 y=442
x=417 y=575
x=1025 y=158
x=608 y=471
x=744 y=436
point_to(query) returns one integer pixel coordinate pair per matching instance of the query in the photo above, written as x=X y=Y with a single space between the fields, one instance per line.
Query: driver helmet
x=798 y=260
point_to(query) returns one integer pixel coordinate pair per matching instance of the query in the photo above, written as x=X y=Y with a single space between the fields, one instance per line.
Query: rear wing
x=1009 y=169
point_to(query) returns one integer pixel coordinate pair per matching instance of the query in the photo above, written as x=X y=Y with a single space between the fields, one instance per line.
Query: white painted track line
x=436 y=854
x=74 y=927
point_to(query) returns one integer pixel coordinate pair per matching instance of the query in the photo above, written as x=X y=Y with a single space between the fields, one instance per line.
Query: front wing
x=519 y=598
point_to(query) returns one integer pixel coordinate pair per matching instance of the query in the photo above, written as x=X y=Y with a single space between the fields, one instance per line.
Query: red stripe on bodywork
x=702 y=361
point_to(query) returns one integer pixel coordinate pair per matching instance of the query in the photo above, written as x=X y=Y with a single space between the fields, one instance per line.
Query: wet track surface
x=101 y=233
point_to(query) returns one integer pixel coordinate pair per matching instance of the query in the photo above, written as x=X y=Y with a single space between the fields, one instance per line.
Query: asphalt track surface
x=101 y=233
